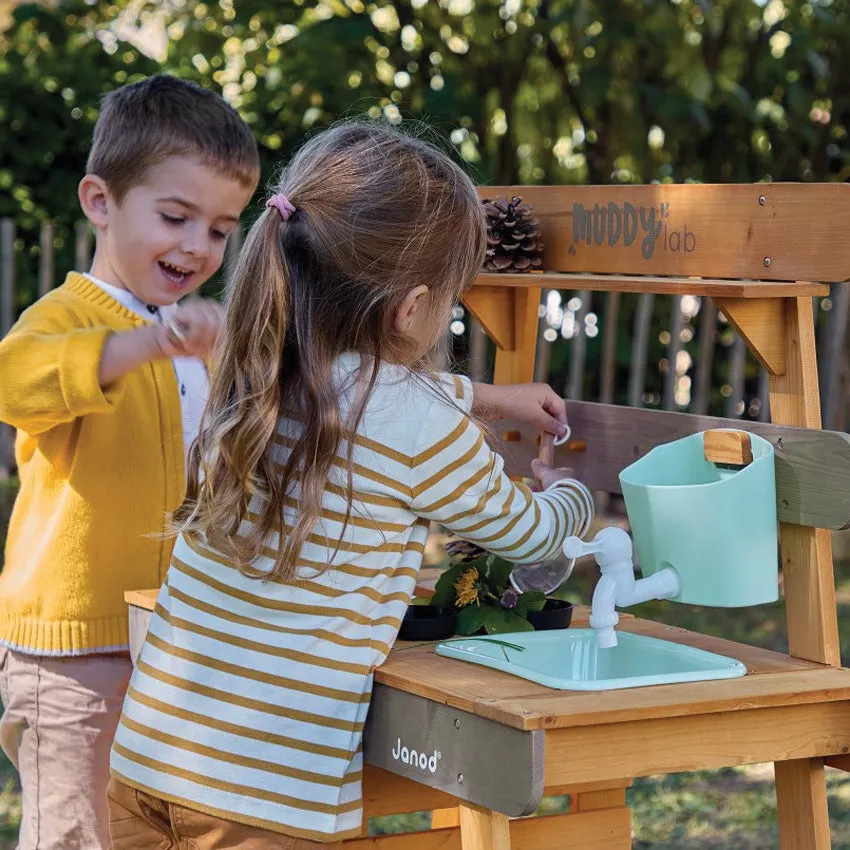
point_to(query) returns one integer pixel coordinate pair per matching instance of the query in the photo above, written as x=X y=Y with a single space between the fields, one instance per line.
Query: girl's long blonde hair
x=377 y=213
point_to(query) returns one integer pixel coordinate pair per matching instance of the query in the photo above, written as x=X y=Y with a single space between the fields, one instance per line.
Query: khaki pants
x=140 y=821
x=58 y=723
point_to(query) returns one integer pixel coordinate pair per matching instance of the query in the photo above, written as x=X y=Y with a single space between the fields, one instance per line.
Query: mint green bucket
x=716 y=526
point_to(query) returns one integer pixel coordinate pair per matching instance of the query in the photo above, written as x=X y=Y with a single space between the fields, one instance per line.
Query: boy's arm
x=458 y=481
x=50 y=374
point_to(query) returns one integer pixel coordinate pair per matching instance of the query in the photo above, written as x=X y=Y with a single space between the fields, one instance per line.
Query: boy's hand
x=547 y=476
x=192 y=330
x=536 y=404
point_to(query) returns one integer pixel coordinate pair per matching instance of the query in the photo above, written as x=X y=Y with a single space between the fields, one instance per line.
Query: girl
x=328 y=446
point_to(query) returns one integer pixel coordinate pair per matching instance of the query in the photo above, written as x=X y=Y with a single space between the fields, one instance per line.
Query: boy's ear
x=408 y=308
x=94 y=199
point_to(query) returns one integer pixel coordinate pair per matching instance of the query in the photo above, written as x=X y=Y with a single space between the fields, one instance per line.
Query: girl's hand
x=192 y=330
x=547 y=476
x=535 y=404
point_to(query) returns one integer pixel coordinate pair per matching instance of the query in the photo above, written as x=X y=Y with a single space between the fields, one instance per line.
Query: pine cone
x=461 y=551
x=513 y=237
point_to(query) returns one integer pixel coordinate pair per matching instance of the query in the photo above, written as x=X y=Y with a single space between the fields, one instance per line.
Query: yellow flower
x=467 y=592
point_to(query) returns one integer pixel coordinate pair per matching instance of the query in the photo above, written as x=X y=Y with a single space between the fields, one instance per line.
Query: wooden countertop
x=773 y=679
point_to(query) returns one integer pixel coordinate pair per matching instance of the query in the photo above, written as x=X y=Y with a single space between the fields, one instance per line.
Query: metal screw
x=460 y=779
x=762 y=199
x=457 y=724
x=766 y=261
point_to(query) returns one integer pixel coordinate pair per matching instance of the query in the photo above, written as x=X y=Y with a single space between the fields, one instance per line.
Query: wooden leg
x=801 y=803
x=443 y=818
x=806 y=552
x=483 y=829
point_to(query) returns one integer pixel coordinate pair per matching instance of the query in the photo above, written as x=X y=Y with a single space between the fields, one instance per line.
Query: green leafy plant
x=476 y=585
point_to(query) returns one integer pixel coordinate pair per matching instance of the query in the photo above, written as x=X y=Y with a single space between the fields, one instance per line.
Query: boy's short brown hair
x=145 y=123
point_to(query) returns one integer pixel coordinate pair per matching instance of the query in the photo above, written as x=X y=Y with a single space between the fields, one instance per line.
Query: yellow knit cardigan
x=100 y=470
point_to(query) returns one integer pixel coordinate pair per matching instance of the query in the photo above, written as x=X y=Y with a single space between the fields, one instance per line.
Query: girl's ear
x=410 y=310
x=94 y=197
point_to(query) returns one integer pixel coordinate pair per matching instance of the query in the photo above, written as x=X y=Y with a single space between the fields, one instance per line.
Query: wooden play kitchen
x=480 y=747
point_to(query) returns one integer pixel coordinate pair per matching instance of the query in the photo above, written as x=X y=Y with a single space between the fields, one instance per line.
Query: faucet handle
x=575 y=547
x=611 y=545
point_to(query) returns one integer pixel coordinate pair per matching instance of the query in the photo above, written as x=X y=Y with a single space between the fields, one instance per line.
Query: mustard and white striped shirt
x=249 y=697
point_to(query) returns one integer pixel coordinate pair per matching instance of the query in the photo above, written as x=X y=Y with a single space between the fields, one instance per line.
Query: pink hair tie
x=282 y=204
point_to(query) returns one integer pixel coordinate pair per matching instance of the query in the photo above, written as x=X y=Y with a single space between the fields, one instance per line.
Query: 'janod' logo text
x=416 y=759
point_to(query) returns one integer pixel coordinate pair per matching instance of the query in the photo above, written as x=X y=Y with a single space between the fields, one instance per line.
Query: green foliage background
x=530 y=91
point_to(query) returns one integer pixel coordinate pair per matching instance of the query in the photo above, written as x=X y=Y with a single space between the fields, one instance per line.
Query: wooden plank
x=436 y=839
x=773 y=679
x=707 y=340
x=732 y=447
x=597 y=830
x=764 y=396
x=45 y=259
x=806 y=552
x=832 y=354
x=841 y=762
x=733 y=408
x=442 y=818
x=609 y=829
x=578 y=349
x=477 y=350
x=705 y=286
x=386 y=793
x=812 y=466
x=474 y=759
x=801 y=805
x=7 y=275
x=577 y=709
x=586 y=787
x=82 y=246
x=640 y=348
x=675 y=346
x=784 y=231
x=608 y=369
x=761 y=324
x=695 y=742
x=591 y=801
x=483 y=829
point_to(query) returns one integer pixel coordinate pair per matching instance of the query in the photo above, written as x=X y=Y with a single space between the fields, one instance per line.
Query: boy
x=104 y=382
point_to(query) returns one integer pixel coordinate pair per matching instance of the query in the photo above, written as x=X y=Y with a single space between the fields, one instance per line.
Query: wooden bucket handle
x=733 y=448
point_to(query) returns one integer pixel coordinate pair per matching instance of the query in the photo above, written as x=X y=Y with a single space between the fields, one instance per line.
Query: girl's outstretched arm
x=458 y=481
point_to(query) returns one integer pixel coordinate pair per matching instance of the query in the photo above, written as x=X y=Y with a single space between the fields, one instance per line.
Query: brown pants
x=58 y=723
x=140 y=821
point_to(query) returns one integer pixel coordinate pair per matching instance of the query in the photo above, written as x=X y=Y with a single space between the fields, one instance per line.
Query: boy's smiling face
x=167 y=235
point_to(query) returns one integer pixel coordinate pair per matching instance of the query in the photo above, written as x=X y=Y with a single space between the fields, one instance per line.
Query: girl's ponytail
x=230 y=461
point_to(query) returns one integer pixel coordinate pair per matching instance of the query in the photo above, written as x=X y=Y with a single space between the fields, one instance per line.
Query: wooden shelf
x=710 y=287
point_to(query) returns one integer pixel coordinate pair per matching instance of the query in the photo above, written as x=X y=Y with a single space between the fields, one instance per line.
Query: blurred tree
x=536 y=91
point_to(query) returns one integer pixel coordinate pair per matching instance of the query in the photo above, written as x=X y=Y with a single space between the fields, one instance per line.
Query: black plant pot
x=423 y=622
x=556 y=614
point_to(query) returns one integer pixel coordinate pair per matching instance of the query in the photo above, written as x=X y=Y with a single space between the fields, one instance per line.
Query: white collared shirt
x=193 y=381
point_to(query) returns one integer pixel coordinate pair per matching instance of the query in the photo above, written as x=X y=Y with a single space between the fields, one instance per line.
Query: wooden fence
x=565 y=319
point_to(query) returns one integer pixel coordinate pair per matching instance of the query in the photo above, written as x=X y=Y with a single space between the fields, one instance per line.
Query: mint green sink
x=569 y=659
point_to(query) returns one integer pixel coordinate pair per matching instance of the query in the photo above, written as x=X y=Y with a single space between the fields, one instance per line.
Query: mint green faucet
x=618 y=587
